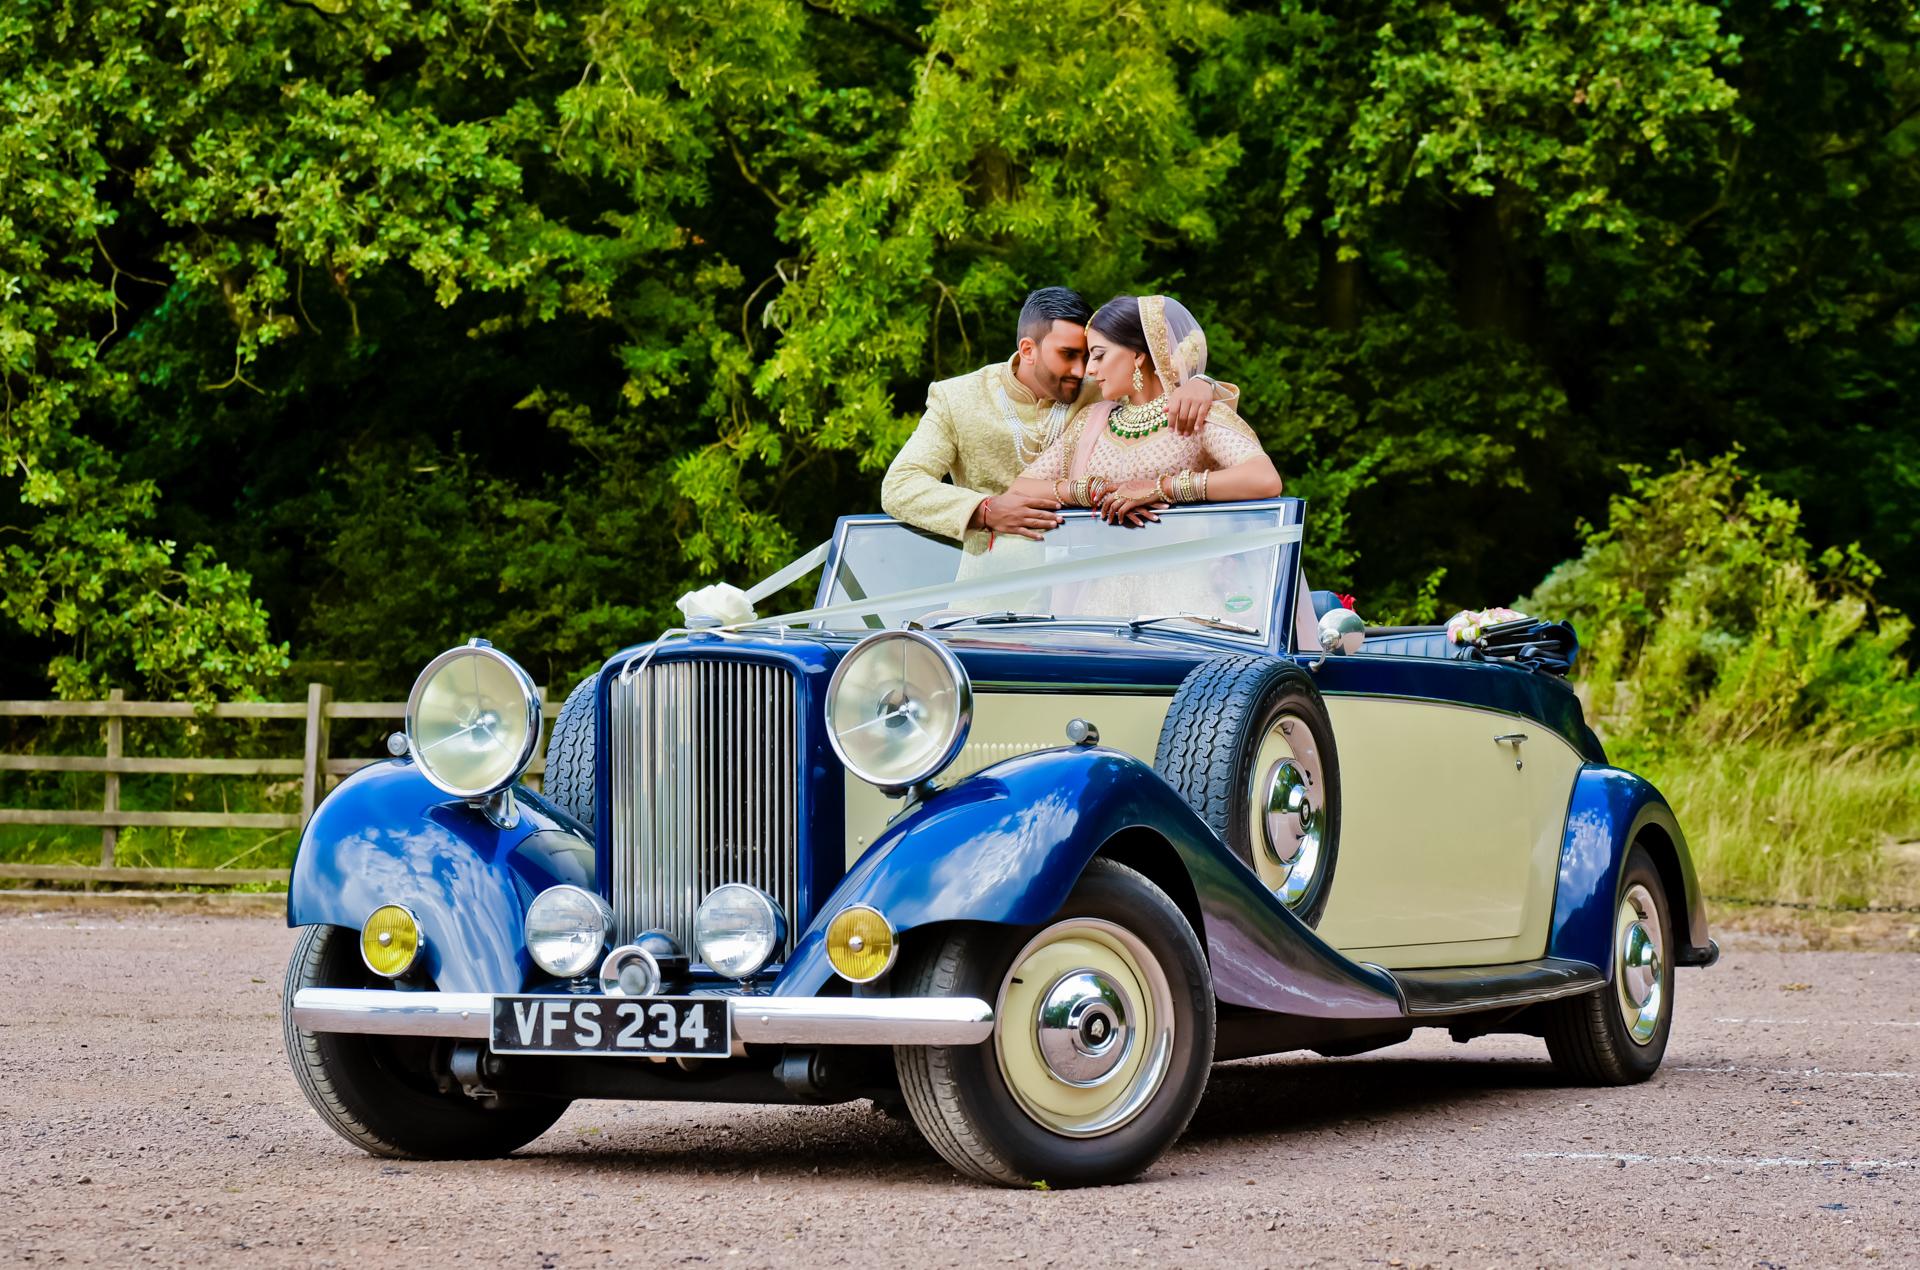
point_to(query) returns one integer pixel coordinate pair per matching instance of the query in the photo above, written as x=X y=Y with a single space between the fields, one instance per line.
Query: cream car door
x=1450 y=828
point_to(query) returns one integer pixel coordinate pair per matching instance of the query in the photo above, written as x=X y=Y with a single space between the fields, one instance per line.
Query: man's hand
x=1017 y=514
x=1189 y=405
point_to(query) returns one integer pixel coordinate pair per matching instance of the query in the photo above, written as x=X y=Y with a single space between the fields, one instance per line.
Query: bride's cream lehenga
x=1218 y=588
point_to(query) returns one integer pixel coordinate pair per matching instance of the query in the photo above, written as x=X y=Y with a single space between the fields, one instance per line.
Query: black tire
x=1588 y=1036
x=568 y=781
x=1211 y=741
x=381 y=1093
x=958 y=1095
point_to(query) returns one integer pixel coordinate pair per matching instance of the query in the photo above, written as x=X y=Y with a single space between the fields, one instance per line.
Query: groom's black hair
x=1049 y=305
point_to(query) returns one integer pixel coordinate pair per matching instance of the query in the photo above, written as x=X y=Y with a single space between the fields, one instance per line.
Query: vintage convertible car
x=1018 y=841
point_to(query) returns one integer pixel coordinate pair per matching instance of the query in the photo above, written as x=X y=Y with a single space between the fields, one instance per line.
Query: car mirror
x=1342 y=631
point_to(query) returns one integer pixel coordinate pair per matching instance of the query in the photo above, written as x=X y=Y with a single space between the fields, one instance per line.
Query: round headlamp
x=860 y=943
x=898 y=709
x=566 y=929
x=738 y=929
x=473 y=720
x=390 y=940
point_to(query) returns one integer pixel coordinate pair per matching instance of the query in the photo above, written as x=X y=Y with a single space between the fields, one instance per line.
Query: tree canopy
x=333 y=331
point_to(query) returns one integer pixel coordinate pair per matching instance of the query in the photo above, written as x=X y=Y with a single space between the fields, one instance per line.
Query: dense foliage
x=335 y=330
x=1757 y=681
x=1710 y=621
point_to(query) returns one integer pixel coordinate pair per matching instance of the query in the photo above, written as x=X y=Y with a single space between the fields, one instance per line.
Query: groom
x=982 y=430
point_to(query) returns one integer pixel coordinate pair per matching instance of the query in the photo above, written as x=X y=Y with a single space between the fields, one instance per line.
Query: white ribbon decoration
x=945 y=594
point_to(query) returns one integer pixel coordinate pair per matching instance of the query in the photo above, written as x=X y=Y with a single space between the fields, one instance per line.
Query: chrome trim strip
x=759 y=1020
x=1085 y=689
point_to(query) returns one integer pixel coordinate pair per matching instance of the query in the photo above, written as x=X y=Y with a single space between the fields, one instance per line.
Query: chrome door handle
x=1516 y=740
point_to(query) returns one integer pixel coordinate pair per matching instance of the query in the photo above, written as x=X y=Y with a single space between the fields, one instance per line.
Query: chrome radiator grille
x=705 y=790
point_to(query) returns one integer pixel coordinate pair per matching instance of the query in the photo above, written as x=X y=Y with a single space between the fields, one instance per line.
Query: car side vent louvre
x=705 y=790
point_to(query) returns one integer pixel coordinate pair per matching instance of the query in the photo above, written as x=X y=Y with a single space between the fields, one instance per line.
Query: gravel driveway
x=147 y=1115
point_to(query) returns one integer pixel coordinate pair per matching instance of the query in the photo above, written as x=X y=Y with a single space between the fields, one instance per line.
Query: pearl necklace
x=1050 y=428
x=1130 y=422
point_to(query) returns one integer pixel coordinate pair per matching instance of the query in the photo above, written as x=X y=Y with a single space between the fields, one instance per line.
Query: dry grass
x=1809 y=824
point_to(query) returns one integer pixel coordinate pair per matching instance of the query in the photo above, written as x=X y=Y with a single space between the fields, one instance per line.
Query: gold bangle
x=1160 y=487
x=1080 y=492
x=1204 y=496
x=1058 y=497
x=1184 y=482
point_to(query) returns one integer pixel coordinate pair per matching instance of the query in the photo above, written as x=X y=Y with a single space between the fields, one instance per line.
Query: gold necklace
x=1130 y=422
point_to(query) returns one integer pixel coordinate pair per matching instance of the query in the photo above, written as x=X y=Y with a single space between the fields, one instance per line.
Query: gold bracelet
x=1184 y=483
x=1080 y=492
x=1204 y=497
x=1160 y=488
x=1058 y=497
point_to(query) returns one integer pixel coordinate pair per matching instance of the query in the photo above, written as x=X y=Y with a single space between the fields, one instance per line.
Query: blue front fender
x=387 y=836
x=1007 y=845
x=1610 y=810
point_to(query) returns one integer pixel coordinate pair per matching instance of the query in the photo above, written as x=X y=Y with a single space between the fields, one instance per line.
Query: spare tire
x=1249 y=744
x=568 y=781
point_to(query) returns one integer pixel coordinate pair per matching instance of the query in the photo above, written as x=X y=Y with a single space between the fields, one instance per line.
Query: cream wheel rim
x=1084 y=1027
x=1287 y=810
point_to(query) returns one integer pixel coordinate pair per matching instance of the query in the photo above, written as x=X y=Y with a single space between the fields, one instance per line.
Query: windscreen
x=879 y=559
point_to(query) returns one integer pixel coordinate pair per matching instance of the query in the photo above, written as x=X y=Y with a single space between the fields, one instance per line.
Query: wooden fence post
x=110 y=836
x=313 y=768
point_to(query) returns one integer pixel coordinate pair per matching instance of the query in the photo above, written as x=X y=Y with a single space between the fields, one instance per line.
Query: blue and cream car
x=1019 y=841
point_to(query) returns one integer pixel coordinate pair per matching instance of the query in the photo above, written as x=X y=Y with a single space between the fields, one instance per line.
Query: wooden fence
x=316 y=767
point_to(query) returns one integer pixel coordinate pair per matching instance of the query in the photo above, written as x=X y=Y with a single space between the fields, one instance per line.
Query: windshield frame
x=1276 y=638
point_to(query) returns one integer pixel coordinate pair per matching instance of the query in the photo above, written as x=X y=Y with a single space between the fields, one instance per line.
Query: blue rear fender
x=387 y=836
x=1007 y=844
x=1611 y=810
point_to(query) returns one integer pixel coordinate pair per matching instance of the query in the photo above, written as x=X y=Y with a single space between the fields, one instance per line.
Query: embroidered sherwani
x=981 y=430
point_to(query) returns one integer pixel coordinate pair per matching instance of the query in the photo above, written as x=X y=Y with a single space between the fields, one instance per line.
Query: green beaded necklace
x=1130 y=422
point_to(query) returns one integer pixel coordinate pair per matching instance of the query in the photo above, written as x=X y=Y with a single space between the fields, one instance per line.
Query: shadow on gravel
x=1258 y=1098
x=848 y=1141
x=1265 y=1096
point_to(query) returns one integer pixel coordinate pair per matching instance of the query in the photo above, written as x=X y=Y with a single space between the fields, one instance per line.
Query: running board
x=1462 y=989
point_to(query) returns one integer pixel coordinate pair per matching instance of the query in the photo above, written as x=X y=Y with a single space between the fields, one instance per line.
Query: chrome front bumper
x=756 y=1020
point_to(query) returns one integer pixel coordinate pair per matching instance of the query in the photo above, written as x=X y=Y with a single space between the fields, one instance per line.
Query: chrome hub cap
x=1640 y=975
x=1288 y=818
x=1082 y=1028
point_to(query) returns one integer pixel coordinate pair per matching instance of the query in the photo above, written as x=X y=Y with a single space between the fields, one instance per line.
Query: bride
x=1122 y=456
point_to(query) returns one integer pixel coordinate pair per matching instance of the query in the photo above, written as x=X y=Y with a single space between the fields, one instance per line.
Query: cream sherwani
x=981 y=430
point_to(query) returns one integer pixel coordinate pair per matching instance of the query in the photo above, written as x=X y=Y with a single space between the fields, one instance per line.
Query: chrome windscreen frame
x=1283 y=584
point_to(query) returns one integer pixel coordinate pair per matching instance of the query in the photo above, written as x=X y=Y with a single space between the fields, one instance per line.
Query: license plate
x=690 y=1026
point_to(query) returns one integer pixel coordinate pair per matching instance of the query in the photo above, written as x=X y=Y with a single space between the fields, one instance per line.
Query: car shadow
x=1272 y=1098
x=1267 y=1096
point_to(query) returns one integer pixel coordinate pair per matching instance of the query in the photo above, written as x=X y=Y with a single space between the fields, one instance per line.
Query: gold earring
x=1139 y=384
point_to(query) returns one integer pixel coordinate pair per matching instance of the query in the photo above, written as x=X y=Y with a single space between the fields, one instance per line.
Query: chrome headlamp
x=473 y=720
x=898 y=709
x=566 y=929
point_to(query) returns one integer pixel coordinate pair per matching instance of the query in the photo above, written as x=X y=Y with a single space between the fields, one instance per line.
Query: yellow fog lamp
x=861 y=944
x=390 y=940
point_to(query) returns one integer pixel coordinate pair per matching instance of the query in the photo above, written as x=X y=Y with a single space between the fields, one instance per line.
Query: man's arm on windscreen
x=915 y=488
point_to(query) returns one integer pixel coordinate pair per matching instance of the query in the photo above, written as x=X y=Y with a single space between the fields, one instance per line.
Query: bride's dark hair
x=1119 y=320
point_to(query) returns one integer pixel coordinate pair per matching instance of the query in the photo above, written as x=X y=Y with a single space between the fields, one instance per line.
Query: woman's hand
x=1133 y=503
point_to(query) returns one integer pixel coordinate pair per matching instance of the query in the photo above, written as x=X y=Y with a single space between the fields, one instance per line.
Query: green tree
x=413 y=321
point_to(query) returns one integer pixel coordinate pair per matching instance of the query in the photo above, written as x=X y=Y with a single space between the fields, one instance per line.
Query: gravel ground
x=147 y=1116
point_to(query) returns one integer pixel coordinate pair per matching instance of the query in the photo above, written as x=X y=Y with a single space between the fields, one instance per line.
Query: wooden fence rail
x=316 y=767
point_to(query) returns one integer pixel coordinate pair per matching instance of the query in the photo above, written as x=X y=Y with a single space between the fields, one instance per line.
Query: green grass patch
x=1774 y=823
